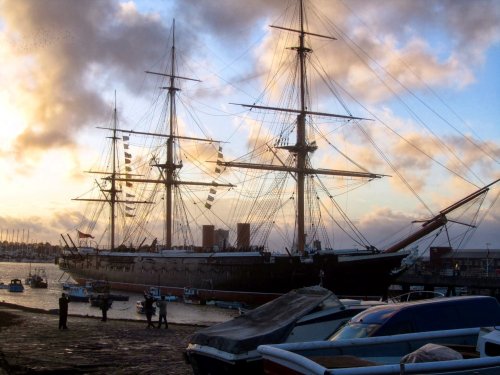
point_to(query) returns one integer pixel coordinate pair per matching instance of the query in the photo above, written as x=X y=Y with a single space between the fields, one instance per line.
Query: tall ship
x=249 y=228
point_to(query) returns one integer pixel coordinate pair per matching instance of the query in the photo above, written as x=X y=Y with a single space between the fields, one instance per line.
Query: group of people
x=149 y=302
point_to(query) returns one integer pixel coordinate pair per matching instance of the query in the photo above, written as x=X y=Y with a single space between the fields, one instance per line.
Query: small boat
x=139 y=306
x=451 y=352
x=305 y=314
x=16 y=286
x=38 y=279
x=78 y=294
x=415 y=296
x=156 y=293
x=171 y=298
x=97 y=286
x=4 y=286
x=191 y=296
x=118 y=297
x=96 y=300
x=66 y=285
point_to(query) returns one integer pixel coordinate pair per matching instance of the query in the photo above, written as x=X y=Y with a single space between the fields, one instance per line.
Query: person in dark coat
x=63 y=311
x=104 y=305
x=148 y=308
x=162 y=306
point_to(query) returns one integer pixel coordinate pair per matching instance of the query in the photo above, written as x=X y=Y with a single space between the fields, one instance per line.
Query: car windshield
x=355 y=330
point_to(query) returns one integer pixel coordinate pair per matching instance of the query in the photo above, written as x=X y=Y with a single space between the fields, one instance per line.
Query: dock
x=475 y=283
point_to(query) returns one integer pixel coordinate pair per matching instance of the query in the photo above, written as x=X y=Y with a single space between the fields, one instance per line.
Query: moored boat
x=192 y=296
x=156 y=293
x=451 y=352
x=78 y=294
x=66 y=285
x=305 y=314
x=16 y=286
x=118 y=297
x=97 y=300
x=38 y=279
x=97 y=286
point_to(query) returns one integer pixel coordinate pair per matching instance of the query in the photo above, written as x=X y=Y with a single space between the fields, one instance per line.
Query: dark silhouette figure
x=148 y=308
x=162 y=306
x=63 y=311
x=104 y=305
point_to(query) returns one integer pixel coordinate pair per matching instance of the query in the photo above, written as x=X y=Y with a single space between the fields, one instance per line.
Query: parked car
x=421 y=316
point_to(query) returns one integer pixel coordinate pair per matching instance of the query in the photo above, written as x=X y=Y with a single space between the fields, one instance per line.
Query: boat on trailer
x=305 y=314
x=450 y=352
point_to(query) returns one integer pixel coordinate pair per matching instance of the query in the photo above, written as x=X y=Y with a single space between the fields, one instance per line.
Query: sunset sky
x=63 y=61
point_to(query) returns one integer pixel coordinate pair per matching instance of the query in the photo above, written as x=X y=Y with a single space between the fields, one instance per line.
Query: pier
x=477 y=270
x=475 y=284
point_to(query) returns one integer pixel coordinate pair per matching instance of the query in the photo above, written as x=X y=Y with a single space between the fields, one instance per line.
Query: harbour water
x=47 y=299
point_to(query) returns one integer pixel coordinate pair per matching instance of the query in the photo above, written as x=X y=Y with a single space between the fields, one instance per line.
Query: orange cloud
x=55 y=50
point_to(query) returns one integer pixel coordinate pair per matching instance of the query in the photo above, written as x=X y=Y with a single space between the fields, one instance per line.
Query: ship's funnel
x=208 y=237
x=243 y=232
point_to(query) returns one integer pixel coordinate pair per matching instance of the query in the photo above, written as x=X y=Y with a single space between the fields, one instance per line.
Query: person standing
x=148 y=308
x=104 y=305
x=162 y=307
x=63 y=311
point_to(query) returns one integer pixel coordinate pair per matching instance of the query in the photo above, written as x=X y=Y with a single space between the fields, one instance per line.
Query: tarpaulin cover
x=268 y=324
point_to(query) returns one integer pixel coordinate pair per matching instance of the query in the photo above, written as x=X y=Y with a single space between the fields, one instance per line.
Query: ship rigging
x=280 y=190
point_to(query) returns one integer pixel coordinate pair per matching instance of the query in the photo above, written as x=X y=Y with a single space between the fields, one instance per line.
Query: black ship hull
x=251 y=277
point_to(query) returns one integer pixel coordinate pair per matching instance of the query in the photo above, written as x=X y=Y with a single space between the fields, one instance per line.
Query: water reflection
x=47 y=299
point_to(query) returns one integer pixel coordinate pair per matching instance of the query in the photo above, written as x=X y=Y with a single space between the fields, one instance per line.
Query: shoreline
x=55 y=312
x=32 y=343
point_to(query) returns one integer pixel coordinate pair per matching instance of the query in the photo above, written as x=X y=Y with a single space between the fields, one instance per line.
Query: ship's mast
x=169 y=165
x=113 y=191
x=301 y=146
x=439 y=220
x=301 y=149
x=111 y=195
x=169 y=175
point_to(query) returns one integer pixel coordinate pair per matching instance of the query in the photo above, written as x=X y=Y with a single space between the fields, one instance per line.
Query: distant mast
x=111 y=195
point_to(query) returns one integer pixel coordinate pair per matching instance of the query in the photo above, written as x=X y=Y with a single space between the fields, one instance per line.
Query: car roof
x=379 y=314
